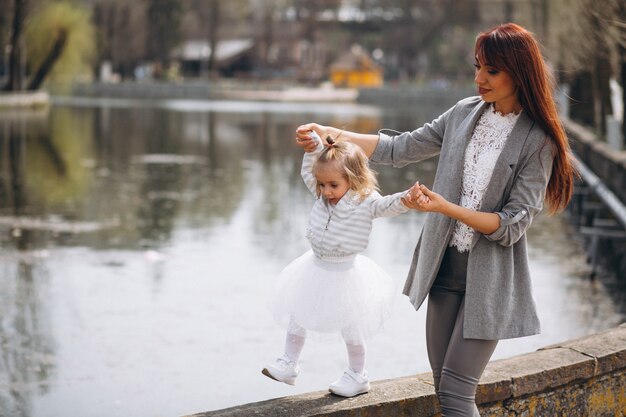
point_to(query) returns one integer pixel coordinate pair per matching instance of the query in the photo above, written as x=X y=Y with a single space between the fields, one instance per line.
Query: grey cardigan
x=498 y=298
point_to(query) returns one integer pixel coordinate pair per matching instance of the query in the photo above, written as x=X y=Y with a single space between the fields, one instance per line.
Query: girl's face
x=331 y=182
x=496 y=86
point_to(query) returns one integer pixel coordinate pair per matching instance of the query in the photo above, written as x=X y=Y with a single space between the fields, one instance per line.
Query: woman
x=500 y=156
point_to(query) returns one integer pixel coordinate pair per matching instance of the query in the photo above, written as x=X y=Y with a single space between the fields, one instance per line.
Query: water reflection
x=139 y=241
x=27 y=344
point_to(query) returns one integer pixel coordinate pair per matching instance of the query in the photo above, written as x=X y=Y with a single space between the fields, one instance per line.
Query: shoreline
x=269 y=92
x=24 y=99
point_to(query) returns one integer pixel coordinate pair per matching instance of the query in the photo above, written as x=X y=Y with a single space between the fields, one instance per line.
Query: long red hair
x=513 y=49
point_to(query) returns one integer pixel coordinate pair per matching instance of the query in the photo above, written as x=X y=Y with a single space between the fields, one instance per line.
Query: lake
x=141 y=239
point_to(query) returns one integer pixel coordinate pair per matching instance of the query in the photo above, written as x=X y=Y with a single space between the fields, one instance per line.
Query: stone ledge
x=396 y=397
x=534 y=372
x=607 y=349
x=24 y=99
x=593 y=367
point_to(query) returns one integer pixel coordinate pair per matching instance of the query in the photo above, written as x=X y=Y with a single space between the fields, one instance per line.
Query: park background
x=146 y=207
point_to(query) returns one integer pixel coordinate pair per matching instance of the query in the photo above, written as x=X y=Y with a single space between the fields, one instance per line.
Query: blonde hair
x=350 y=160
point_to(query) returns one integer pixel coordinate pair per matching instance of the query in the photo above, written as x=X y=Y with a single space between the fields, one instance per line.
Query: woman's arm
x=526 y=198
x=385 y=147
x=308 y=160
x=366 y=142
x=508 y=225
x=423 y=199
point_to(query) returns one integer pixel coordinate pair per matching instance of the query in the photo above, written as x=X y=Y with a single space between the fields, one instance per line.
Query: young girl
x=332 y=288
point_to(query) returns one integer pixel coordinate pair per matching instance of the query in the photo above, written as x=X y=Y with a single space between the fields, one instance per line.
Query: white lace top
x=483 y=150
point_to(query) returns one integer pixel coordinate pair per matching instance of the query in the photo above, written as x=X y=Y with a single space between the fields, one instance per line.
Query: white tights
x=296 y=336
x=293 y=346
x=356 y=357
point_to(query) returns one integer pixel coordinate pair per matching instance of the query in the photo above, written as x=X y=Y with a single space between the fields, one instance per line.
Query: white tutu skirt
x=353 y=297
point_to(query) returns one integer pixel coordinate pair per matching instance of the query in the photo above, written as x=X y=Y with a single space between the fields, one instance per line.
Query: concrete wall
x=579 y=378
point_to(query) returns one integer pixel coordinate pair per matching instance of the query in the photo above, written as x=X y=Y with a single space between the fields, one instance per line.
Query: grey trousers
x=457 y=363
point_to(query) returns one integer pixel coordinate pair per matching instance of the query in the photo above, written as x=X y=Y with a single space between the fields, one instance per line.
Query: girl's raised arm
x=367 y=142
x=307 y=164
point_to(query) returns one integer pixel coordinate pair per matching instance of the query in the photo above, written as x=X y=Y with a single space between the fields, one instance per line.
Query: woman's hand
x=367 y=142
x=422 y=199
x=304 y=140
x=434 y=201
x=415 y=198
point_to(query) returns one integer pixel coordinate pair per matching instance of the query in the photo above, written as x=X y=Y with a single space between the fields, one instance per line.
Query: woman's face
x=496 y=86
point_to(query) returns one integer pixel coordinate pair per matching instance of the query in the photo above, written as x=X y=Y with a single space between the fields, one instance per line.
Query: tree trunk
x=623 y=83
x=214 y=37
x=601 y=73
x=602 y=92
x=545 y=20
x=268 y=33
x=47 y=64
x=582 y=109
x=622 y=69
x=540 y=10
x=16 y=156
x=509 y=11
x=14 y=82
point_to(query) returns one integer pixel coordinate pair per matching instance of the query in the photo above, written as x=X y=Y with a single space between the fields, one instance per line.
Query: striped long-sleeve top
x=341 y=231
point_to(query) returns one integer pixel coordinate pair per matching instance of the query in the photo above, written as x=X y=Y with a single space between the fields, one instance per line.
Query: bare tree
x=266 y=36
x=589 y=39
x=421 y=23
x=5 y=25
x=14 y=82
x=214 y=21
x=121 y=34
x=164 y=32
x=46 y=66
x=620 y=23
x=509 y=11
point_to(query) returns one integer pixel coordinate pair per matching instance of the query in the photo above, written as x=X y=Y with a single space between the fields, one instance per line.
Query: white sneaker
x=282 y=370
x=350 y=384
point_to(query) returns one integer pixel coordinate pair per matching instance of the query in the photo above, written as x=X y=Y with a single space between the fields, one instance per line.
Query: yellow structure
x=356 y=70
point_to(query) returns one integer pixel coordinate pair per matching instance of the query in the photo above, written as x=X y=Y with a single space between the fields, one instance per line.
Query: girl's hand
x=415 y=198
x=305 y=141
x=431 y=201
x=422 y=199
